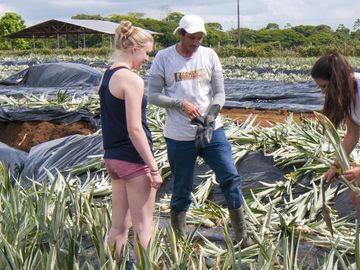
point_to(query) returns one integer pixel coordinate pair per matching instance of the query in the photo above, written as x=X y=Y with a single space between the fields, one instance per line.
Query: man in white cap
x=186 y=79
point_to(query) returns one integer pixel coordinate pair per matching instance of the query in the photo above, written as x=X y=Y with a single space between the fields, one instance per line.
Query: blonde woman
x=127 y=139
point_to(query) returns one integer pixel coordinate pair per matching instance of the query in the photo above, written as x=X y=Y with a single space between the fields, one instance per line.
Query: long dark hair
x=341 y=91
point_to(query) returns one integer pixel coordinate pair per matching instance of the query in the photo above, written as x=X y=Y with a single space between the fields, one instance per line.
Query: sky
x=254 y=14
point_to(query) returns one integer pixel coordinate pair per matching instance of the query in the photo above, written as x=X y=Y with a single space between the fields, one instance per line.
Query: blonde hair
x=127 y=36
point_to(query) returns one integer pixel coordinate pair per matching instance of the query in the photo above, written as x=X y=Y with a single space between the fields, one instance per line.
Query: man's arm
x=157 y=97
x=217 y=84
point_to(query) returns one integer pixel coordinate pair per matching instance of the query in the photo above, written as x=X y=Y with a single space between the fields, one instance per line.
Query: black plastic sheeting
x=21 y=62
x=13 y=159
x=59 y=74
x=273 y=95
x=269 y=95
x=59 y=155
x=19 y=91
x=54 y=115
x=30 y=62
x=53 y=153
x=80 y=79
x=255 y=168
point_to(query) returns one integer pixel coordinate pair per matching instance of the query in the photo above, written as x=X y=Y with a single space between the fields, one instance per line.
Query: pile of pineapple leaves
x=63 y=223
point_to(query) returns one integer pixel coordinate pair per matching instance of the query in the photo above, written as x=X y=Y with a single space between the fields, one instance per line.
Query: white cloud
x=89 y=4
x=6 y=8
x=307 y=12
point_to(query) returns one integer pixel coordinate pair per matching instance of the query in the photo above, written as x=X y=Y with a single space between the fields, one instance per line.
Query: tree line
x=300 y=40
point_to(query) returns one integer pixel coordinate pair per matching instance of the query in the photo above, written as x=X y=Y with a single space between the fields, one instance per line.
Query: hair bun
x=125 y=29
x=127 y=35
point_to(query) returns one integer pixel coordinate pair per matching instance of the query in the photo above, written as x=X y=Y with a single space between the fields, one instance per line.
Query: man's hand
x=190 y=109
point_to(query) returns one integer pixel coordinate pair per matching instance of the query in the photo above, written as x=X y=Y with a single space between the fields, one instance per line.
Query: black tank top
x=116 y=141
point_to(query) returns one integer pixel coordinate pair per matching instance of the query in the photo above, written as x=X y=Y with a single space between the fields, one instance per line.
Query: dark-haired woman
x=341 y=85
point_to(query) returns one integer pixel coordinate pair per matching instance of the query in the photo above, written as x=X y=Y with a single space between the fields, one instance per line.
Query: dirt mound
x=24 y=135
x=264 y=117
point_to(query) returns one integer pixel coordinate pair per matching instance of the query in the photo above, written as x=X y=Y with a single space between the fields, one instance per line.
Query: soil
x=264 y=118
x=24 y=135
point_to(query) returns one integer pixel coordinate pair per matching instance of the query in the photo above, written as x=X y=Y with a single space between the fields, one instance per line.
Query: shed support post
x=33 y=41
x=58 y=40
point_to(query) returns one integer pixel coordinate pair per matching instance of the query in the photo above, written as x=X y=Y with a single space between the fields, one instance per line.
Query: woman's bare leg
x=141 y=198
x=121 y=219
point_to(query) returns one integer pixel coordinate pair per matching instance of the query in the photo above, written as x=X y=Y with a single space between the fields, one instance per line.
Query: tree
x=305 y=30
x=215 y=36
x=324 y=28
x=287 y=26
x=321 y=38
x=136 y=14
x=342 y=32
x=214 y=25
x=173 y=17
x=12 y=22
x=342 y=29
x=88 y=17
x=356 y=35
x=272 y=26
x=357 y=25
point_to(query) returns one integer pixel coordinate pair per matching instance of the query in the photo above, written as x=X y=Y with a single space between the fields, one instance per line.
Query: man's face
x=190 y=42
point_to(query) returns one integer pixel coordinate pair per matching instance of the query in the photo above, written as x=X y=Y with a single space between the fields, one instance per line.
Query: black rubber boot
x=239 y=227
x=178 y=222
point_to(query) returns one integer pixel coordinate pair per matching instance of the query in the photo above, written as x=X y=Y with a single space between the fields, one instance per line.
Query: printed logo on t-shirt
x=189 y=75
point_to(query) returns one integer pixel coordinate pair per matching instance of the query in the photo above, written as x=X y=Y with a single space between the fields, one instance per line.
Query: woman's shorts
x=121 y=169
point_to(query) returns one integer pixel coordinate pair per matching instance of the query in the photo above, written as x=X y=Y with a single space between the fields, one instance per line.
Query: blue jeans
x=217 y=154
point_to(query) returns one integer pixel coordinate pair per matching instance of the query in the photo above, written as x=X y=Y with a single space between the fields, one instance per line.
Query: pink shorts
x=121 y=169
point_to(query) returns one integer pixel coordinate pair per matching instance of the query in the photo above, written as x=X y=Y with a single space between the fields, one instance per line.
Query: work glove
x=205 y=126
x=210 y=122
x=199 y=137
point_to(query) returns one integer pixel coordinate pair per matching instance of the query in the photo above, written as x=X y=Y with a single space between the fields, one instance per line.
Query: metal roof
x=53 y=28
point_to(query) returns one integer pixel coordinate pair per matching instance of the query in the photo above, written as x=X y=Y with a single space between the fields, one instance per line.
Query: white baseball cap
x=191 y=24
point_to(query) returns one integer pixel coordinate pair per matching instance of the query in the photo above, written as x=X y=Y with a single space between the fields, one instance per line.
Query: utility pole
x=238 y=23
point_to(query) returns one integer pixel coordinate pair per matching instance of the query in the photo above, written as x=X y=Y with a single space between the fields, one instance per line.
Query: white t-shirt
x=355 y=114
x=186 y=78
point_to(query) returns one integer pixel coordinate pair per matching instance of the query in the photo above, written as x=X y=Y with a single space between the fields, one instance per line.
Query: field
x=62 y=222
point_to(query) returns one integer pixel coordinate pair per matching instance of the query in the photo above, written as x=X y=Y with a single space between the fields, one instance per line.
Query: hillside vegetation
x=300 y=40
